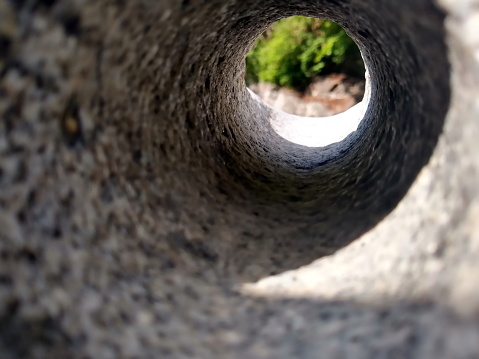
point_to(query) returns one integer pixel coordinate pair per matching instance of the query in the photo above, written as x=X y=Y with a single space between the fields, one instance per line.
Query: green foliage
x=298 y=48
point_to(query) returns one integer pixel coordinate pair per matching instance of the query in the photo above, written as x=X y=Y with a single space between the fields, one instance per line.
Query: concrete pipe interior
x=282 y=204
x=165 y=185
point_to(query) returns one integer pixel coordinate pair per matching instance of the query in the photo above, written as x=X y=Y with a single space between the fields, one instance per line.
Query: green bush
x=296 y=49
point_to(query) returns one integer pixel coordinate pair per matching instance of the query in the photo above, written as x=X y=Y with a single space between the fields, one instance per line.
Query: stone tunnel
x=148 y=209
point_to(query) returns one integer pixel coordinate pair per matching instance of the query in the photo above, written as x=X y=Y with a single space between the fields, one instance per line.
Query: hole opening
x=313 y=75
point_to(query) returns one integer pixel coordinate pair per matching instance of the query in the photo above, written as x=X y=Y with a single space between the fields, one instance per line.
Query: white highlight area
x=318 y=131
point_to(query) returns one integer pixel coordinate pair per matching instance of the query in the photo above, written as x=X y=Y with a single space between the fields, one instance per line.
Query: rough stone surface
x=325 y=96
x=141 y=187
x=289 y=101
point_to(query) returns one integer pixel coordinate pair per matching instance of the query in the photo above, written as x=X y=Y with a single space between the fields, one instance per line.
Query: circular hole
x=314 y=75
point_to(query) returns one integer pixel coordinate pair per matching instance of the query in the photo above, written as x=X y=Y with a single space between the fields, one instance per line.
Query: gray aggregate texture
x=149 y=210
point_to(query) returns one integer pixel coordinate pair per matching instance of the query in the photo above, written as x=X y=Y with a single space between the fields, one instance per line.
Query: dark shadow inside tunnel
x=209 y=174
x=297 y=203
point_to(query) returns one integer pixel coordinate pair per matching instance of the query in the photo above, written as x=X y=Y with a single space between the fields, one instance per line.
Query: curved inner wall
x=193 y=151
x=294 y=202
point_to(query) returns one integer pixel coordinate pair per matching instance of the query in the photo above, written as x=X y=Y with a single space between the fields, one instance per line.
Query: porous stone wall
x=149 y=210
